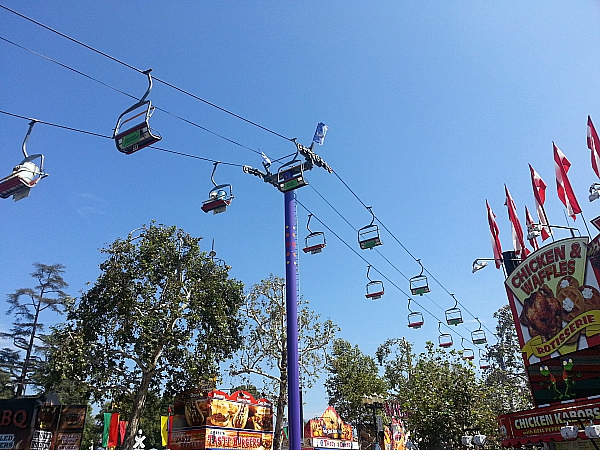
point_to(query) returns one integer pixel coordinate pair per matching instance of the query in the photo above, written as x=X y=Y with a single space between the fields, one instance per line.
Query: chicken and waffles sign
x=555 y=299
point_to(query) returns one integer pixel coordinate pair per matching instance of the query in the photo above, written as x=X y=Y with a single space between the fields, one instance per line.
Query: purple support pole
x=291 y=302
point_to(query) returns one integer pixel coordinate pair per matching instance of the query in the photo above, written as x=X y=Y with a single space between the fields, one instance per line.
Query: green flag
x=106 y=428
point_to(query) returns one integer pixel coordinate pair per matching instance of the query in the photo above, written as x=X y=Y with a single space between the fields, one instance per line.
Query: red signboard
x=544 y=424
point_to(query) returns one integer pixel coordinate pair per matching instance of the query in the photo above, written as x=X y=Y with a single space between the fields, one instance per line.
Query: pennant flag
x=517 y=230
x=495 y=232
x=593 y=143
x=122 y=428
x=539 y=193
x=320 y=133
x=107 y=417
x=529 y=222
x=113 y=431
x=164 y=432
x=170 y=428
x=563 y=185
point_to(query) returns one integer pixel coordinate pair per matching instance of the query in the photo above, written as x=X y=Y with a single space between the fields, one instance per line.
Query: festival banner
x=555 y=299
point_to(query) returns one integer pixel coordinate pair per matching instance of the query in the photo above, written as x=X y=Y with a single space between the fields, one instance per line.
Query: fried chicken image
x=542 y=314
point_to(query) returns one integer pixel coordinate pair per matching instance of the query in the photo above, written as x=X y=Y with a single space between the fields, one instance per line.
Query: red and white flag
x=539 y=193
x=517 y=231
x=593 y=143
x=529 y=222
x=563 y=185
x=495 y=233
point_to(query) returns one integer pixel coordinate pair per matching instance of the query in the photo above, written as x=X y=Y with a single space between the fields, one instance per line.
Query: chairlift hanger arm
x=24 y=146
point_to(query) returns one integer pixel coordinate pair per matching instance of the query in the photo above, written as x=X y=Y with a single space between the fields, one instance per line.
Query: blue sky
x=431 y=108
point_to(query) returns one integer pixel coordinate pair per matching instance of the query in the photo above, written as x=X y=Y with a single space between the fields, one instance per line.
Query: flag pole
x=547 y=222
x=567 y=220
x=585 y=223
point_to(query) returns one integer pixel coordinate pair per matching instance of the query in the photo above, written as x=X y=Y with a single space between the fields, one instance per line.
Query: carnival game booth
x=554 y=296
x=216 y=420
x=327 y=432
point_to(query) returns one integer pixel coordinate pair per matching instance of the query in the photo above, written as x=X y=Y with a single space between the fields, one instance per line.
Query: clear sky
x=431 y=108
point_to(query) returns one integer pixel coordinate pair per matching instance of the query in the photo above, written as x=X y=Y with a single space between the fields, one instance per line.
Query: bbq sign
x=556 y=305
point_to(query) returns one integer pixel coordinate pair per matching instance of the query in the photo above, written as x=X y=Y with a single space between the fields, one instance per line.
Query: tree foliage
x=27 y=305
x=506 y=377
x=264 y=350
x=159 y=318
x=440 y=393
x=352 y=375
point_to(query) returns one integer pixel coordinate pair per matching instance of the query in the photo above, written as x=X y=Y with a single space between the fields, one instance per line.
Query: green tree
x=506 y=377
x=440 y=393
x=352 y=376
x=27 y=305
x=159 y=319
x=264 y=349
x=10 y=368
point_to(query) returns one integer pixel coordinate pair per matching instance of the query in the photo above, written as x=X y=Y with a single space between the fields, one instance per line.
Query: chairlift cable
x=199 y=99
x=401 y=244
x=377 y=250
x=56 y=125
x=129 y=95
x=106 y=55
x=110 y=137
x=374 y=268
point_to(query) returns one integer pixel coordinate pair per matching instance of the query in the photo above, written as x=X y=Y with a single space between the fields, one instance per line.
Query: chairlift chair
x=478 y=336
x=314 y=241
x=368 y=236
x=25 y=175
x=484 y=361
x=138 y=134
x=454 y=315
x=291 y=178
x=219 y=197
x=467 y=353
x=444 y=339
x=415 y=318
x=375 y=288
x=418 y=283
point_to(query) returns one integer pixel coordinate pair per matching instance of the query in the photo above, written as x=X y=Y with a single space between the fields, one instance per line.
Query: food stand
x=215 y=420
x=554 y=296
x=327 y=432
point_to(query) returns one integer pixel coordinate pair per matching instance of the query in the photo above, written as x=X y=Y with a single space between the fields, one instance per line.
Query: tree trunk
x=22 y=386
x=138 y=407
x=280 y=405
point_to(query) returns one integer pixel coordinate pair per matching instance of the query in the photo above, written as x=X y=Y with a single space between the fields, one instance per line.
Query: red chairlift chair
x=25 y=175
x=467 y=353
x=219 y=197
x=415 y=318
x=484 y=361
x=314 y=241
x=445 y=339
x=375 y=288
